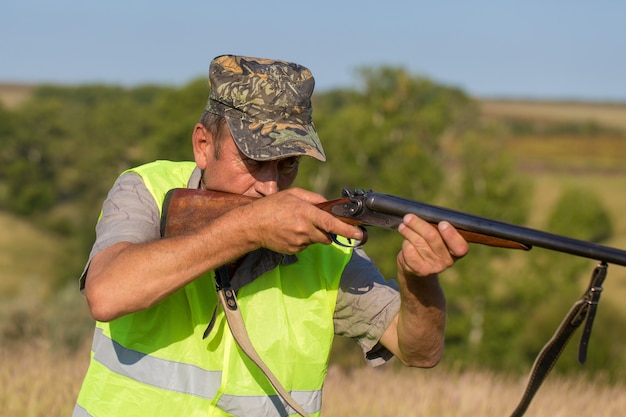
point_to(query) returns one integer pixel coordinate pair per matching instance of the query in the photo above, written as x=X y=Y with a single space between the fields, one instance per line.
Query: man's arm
x=416 y=336
x=128 y=277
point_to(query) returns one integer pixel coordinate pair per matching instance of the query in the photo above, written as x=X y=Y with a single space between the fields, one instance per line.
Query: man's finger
x=457 y=245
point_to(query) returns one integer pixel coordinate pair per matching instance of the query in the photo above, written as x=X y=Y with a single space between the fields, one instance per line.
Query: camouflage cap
x=267 y=105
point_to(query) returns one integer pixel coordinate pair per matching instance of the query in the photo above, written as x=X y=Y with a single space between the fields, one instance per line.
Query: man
x=162 y=345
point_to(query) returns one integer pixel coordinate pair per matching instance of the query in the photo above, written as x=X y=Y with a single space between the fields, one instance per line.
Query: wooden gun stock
x=185 y=209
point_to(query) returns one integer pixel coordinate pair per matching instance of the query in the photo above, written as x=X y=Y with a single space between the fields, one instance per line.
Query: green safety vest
x=156 y=363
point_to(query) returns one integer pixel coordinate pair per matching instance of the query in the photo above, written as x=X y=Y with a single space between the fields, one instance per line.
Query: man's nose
x=267 y=179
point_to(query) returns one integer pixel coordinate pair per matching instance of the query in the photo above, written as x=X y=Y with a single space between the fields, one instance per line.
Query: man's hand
x=428 y=250
x=289 y=221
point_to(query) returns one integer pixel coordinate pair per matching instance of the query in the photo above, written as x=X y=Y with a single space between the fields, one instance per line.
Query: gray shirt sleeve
x=366 y=306
x=129 y=214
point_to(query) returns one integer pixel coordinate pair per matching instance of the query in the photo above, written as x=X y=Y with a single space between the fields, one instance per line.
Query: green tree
x=580 y=214
x=175 y=114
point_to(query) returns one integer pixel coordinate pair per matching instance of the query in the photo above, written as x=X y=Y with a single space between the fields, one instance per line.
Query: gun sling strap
x=583 y=311
x=228 y=300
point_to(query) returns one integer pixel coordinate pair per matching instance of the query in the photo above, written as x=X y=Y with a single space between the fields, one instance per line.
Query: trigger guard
x=360 y=243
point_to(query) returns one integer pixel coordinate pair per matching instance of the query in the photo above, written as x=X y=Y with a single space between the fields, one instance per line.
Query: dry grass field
x=37 y=381
x=582 y=155
x=441 y=393
x=606 y=114
x=12 y=95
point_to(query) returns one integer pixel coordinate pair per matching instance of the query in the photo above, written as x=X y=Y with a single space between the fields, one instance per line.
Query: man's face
x=233 y=172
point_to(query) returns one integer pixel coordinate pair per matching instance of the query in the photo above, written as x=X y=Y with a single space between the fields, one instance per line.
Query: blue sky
x=555 y=49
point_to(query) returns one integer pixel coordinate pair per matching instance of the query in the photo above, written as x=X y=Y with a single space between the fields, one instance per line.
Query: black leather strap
x=584 y=310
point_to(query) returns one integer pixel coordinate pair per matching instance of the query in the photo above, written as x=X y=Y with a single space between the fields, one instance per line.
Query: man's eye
x=289 y=165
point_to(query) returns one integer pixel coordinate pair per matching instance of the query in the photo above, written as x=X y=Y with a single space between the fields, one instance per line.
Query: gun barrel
x=399 y=206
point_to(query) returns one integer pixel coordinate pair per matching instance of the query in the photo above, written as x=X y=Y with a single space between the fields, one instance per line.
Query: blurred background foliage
x=397 y=133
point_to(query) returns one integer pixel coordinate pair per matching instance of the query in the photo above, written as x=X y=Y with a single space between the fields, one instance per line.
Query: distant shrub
x=579 y=213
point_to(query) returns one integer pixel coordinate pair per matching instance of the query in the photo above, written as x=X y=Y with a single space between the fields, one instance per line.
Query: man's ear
x=203 y=143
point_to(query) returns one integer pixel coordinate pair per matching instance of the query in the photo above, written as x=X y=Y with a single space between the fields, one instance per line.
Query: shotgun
x=187 y=209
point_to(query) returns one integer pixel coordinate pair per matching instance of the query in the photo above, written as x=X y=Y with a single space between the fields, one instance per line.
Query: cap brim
x=268 y=141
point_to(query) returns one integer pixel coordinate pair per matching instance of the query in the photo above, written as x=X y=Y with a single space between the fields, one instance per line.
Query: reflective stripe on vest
x=160 y=373
x=154 y=371
x=80 y=412
x=250 y=406
x=310 y=401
